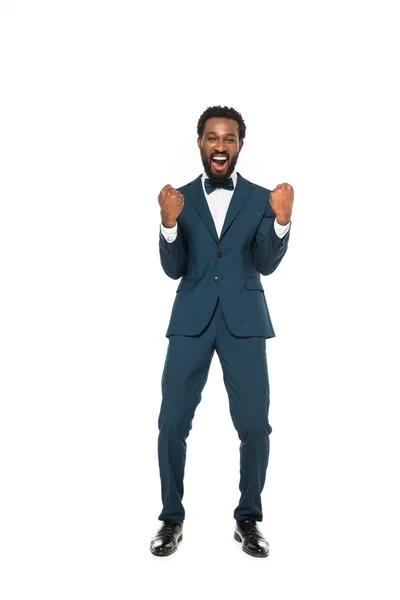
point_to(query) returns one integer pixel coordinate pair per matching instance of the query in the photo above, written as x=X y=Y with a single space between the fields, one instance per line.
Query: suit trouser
x=245 y=374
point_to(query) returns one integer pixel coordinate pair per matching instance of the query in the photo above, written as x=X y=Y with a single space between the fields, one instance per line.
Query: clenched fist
x=171 y=202
x=281 y=199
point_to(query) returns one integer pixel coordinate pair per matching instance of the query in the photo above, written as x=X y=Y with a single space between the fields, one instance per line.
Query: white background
x=99 y=107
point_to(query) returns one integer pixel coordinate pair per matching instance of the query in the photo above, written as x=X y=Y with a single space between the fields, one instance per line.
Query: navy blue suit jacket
x=226 y=267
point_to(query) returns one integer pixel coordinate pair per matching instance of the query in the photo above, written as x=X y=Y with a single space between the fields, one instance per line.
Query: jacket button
x=219 y=253
x=215 y=279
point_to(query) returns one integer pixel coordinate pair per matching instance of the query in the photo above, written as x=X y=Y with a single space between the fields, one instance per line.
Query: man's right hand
x=171 y=202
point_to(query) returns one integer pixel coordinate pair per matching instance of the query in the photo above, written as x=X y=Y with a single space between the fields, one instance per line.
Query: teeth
x=219 y=158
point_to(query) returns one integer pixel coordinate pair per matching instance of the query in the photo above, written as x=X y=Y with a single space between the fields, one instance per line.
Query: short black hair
x=221 y=111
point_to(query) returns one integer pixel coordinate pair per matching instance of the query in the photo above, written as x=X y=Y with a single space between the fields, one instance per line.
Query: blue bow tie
x=211 y=185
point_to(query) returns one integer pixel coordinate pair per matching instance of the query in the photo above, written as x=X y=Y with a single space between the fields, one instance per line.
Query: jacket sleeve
x=173 y=255
x=268 y=247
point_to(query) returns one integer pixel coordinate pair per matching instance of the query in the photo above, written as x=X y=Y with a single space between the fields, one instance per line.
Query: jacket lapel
x=242 y=191
x=201 y=205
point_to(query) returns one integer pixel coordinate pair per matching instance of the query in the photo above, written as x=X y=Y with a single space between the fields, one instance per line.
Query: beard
x=226 y=173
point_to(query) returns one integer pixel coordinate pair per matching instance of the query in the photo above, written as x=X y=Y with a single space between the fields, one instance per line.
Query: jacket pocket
x=186 y=284
x=253 y=283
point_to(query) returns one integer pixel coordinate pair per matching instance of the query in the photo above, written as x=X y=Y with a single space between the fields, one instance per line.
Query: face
x=220 y=139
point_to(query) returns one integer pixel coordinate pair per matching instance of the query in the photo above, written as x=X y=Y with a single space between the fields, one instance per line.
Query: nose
x=220 y=147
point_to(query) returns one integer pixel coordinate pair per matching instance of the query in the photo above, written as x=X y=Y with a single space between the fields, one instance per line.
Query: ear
x=199 y=142
x=240 y=145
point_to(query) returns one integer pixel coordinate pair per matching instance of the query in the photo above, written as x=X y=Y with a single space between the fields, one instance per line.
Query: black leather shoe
x=253 y=542
x=165 y=542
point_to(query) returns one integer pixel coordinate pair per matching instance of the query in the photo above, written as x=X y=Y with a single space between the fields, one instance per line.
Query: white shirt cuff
x=280 y=230
x=169 y=233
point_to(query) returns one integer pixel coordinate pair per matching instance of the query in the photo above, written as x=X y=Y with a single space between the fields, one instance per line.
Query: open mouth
x=219 y=162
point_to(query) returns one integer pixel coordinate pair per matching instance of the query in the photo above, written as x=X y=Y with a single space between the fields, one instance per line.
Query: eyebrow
x=215 y=133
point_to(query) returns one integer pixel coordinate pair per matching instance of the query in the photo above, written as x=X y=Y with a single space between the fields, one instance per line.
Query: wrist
x=168 y=224
x=282 y=220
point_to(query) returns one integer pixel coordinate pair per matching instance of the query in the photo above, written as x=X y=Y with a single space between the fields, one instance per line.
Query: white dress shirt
x=218 y=202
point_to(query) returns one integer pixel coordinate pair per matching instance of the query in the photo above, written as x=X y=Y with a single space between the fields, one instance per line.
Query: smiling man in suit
x=218 y=233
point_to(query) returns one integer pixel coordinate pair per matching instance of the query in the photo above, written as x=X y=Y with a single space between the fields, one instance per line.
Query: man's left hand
x=281 y=199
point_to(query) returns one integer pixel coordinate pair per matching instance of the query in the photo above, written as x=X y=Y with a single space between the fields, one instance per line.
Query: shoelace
x=168 y=525
x=250 y=526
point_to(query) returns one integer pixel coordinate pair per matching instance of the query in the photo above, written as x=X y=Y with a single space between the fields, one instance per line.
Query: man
x=219 y=233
